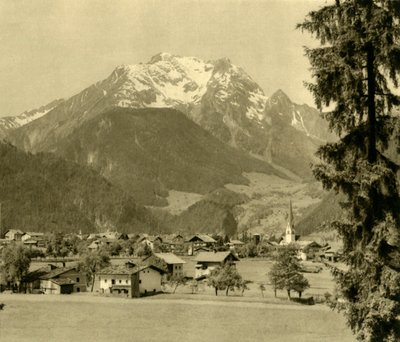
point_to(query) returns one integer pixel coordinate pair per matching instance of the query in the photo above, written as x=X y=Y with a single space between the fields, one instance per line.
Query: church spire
x=290 y=235
x=291 y=214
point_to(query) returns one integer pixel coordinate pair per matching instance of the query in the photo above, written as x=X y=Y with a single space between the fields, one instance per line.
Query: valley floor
x=86 y=317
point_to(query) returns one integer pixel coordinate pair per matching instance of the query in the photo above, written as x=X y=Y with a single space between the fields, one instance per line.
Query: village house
x=93 y=236
x=173 y=243
x=130 y=280
x=94 y=245
x=331 y=254
x=207 y=261
x=308 y=249
x=32 y=236
x=150 y=240
x=34 y=239
x=133 y=236
x=235 y=244
x=31 y=281
x=13 y=234
x=114 y=236
x=256 y=238
x=30 y=243
x=63 y=280
x=200 y=241
x=173 y=262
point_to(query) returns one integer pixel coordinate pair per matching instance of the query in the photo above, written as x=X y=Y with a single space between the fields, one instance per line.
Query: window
x=78 y=289
x=126 y=281
x=105 y=280
x=120 y=281
x=113 y=281
x=77 y=280
x=140 y=281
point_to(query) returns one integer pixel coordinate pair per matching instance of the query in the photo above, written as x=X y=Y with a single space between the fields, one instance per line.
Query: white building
x=290 y=236
x=208 y=261
x=134 y=281
x=174 y=263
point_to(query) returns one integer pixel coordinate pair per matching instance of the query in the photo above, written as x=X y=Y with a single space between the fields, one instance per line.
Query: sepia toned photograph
x=200 y=170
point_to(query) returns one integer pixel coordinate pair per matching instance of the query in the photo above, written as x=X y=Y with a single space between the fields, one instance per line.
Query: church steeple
x=290 y=234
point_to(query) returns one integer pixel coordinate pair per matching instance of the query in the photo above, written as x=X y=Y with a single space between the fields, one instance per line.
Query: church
x=290 y=235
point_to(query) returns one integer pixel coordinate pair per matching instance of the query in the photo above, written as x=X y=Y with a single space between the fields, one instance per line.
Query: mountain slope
x=318 y=217
x=8 y=123
x=151 y=151
x=212 y=214
x=45 y=193
x=217 y=95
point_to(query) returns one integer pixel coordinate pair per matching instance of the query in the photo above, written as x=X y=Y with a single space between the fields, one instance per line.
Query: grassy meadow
x=182 y=316
x=85 y=317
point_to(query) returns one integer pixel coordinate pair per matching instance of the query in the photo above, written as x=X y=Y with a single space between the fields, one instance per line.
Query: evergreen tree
x=355 y=69
x=285 y=272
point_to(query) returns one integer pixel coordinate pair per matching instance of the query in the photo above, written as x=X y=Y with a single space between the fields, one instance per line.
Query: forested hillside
x=45 y=193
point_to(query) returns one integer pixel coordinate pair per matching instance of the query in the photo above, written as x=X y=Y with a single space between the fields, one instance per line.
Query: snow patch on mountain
x=298 y=122
x=257 y=105
x=12 y=122
x=25 y=118
x=166 y=81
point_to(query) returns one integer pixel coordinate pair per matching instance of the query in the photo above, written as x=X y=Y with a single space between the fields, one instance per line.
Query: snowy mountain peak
x=166 y=81
x=169 y=80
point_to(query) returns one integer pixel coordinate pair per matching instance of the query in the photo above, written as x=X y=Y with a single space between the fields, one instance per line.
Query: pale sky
x=55 y=48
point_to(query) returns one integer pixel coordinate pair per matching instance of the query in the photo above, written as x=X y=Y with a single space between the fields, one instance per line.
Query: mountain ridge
x=217 y=95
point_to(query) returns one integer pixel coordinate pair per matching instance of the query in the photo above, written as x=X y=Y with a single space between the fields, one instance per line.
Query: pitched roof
x=36 y=274
x=305 y=243
x=202 y=237
x=170 y=258
x=214 y=256
x=93 y=236
x=236 y=242
x=111 y=235
x=57 y=272
x=62 y=281
x=34 y=234
x=15 y=231
x=122 y=269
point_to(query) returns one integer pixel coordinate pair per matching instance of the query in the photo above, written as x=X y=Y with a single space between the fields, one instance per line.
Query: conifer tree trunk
x=371 y=105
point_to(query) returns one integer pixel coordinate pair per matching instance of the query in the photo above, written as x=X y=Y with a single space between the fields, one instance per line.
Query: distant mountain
x=151 y=151
x=8 y=123
x=217 y=95
x=45 y=193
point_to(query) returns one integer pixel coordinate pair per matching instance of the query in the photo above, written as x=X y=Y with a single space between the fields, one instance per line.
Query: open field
x=179 y=201
x=83 y=317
